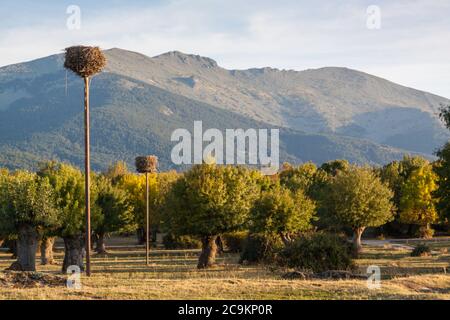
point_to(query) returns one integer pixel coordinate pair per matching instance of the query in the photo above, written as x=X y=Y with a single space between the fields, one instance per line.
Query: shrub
x=260 y=248
x=318 y=253
x=172 y=241
x=425 y=232
x=421 y=250
x=234 y=242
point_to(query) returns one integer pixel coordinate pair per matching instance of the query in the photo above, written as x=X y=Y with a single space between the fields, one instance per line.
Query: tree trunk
x=209 y=250
x=357 y=247
x=141 y=236
x=219 y=244
x=27 y=243
x=286 y=239
x=12 y=247
x=101 y=247
x=73 y=253
x=94 y=240
x=47 y=251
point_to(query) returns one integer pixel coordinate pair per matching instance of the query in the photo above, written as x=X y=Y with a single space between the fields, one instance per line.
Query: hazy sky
x=412 y=47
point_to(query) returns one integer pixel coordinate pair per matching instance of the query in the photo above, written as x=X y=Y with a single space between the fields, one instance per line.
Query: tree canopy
x=282 y=212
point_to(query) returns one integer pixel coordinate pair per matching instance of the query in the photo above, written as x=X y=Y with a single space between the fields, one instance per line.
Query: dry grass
x=172 y=275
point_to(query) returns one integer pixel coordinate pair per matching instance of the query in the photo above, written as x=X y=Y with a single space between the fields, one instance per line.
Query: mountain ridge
x=174 y=89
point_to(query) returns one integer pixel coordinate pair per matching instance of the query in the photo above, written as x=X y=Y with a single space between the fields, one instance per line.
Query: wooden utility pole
x=86 y=62
x=147 y=164
x=87 y=168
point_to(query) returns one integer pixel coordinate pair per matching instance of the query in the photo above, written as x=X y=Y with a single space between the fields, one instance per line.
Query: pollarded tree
x=134 y=185
x=68 y=186
x=26 y=208
x=359 y=200
x=281 y=212
x=210 y=200
x=4 y=173
x=395 y=174
x=442 y=169
x=112 y=211
x=442 y=193
x=158 y=194
x=417 y=205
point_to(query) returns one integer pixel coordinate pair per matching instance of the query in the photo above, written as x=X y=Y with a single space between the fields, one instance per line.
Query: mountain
x=138 y=101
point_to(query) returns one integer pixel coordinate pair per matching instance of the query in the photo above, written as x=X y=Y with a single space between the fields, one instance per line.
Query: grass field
x=122 y=274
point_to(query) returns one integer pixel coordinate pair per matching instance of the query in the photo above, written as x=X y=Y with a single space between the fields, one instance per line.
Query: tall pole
x=147 y=220
x=87 y=179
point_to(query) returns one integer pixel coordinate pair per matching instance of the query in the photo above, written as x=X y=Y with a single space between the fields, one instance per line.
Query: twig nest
x=85 y=61
x=146 y=164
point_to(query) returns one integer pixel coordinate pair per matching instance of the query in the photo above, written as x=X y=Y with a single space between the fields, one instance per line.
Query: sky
x=405 y=41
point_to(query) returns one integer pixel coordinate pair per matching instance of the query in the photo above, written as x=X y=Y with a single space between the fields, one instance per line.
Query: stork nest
x=84 y=61
x=146 y=164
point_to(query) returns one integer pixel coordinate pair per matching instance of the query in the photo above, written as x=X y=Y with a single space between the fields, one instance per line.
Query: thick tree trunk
x=208 y=254
x=27 y=243
x=357 y=246
x=73 y=253
x=101 y=247
x=47 y=251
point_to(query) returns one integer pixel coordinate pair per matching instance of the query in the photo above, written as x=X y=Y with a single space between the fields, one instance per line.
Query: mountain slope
x=326 y=100
x=138 y=101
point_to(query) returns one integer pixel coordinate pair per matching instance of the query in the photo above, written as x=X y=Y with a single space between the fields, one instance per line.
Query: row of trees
x=210 y=200
x=35 y=208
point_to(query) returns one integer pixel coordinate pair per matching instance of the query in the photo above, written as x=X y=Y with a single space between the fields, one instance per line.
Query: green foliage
x=260 y=248
x=113 y=211
x=417 y=205
x=234 y=241
x=299 y=178
x=281 y=212
x=421 y=250
x=359 y=199
x=134 y=186
x=69 y=197
x=25 y=199
x=172 y=242
x=158 y=194
x=442 y=193
x=314 y=183
x=318 y=252
x=210 y=200
x=444 y=114
x=333 y=167
x=396 y=173
x=116 y=171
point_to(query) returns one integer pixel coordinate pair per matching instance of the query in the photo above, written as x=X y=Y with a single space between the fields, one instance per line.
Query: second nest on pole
x=85 y=61
x=146 y=164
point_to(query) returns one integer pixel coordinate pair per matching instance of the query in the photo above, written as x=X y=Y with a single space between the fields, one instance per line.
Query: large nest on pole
x=146 y=164
x=85 y=61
